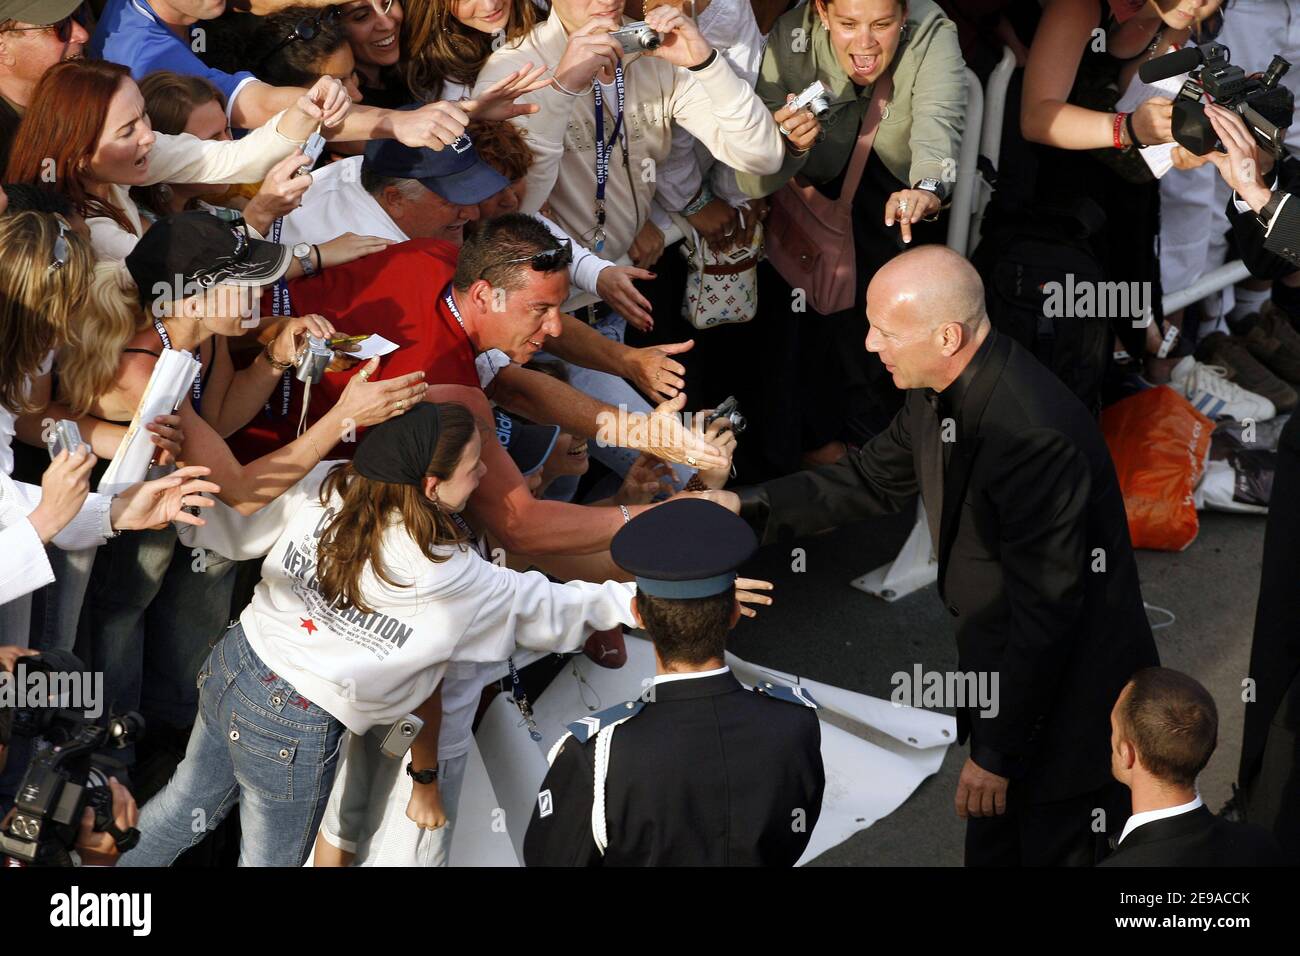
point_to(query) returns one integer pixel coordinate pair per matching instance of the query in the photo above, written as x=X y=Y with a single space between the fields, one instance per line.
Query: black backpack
x=1017 y=259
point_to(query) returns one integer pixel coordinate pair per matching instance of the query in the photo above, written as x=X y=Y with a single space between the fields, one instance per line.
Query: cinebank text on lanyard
x=604 y=148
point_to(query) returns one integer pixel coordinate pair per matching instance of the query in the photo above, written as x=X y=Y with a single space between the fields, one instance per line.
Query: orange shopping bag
x=1159 y=443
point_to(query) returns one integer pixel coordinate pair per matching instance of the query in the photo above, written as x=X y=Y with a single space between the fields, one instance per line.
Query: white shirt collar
x=691 y=675
x=1149 y=816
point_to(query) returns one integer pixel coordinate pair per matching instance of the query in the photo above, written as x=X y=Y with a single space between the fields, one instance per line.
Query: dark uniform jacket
x=1035 y=561
x=707 y=774
x=1196 y=838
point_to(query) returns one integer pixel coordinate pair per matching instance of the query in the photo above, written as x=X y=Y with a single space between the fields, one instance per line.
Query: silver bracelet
x=559 y=87
x=627 y=515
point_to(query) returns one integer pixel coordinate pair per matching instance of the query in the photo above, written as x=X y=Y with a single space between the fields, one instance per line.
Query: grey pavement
x=823 y=629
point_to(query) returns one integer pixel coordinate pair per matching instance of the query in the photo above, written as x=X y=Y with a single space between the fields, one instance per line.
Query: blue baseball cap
x=455 y=172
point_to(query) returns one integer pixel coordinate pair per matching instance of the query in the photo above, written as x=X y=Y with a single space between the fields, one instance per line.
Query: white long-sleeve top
x=730 y=28
x=24 y=565
x=187 y=159
x=372 y=669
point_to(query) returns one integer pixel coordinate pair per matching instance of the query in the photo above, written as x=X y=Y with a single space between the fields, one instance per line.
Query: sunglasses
x=62 y=29
x=61 y=247
x=306 y=29
x=548 y=260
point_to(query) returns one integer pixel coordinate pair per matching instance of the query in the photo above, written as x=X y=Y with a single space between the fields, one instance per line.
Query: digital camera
x=814 y=98
x=731 y=412
x=637 y=37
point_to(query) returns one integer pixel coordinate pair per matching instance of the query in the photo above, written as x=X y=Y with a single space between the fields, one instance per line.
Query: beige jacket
x=713 y=104
x=186 y=159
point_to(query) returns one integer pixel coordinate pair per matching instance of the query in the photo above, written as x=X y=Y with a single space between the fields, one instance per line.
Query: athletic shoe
x=1230 y=353
x=1208 y=389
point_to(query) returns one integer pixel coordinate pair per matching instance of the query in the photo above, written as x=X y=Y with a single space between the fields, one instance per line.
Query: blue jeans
x=256 y=741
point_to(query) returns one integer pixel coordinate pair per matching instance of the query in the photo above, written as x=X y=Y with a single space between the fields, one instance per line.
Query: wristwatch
x=421 y=776
x=302 y=252
x=933 y=186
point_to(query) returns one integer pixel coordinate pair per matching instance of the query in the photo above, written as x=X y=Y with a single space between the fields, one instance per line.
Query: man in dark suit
x=1034 y=556
x=1164 y=727
x=701 y=772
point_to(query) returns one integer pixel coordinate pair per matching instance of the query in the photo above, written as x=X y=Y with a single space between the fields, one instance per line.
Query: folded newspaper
x=173 y=374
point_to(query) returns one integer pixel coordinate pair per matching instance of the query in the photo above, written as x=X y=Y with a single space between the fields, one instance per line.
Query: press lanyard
x=516 y=685
x=603 y=149
x=197 y=388
x=280 y=306
x=450 y=302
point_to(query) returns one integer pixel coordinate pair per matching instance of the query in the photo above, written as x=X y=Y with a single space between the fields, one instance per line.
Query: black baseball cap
x=455 y=172
x=527 y=445
x=195 y=248
x=38 y=13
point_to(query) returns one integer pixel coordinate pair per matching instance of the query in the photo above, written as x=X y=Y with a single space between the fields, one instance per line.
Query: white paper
x=1159 y=158
x=372 y=346
x=173 y=374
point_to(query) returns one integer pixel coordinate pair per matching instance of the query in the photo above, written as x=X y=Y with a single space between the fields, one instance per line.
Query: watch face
x=301 y=250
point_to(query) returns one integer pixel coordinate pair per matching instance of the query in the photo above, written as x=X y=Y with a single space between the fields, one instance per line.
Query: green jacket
x=920 y=134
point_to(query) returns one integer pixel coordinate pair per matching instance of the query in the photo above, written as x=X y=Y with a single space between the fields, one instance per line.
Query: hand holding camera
x=592 y=51
x=680 y=40
x=65 y=485
x=1153 y=121
x=798 y=122
x=1242 y=166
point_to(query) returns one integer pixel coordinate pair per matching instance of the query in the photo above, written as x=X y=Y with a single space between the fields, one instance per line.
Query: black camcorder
x=69 y=771
x=1260 y=100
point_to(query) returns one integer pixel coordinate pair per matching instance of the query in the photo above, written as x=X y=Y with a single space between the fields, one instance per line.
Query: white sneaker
x=1208 y=389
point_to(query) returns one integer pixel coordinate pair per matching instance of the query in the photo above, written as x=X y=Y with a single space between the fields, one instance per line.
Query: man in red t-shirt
x=510 y=281
x=396 y=293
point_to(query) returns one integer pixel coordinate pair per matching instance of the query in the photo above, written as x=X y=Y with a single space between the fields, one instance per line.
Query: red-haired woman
x=87 y=135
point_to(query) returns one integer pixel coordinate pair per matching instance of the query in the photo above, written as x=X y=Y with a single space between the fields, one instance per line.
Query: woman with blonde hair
x=44 y=274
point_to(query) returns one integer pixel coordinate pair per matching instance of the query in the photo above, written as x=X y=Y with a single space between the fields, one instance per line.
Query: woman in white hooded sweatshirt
x=368 y=591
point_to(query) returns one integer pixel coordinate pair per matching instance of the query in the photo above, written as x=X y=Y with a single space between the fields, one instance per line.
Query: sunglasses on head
x=548 y=260
x=62 y=29
x=306 y=29
x=61 y=247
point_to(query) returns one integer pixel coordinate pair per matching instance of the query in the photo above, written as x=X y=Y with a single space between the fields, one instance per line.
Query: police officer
x=699 y=771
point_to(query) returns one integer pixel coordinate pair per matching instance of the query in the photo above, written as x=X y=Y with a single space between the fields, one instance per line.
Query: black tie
x=932 y=475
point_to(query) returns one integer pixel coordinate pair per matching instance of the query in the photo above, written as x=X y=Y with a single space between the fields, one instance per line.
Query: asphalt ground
x=823 y=629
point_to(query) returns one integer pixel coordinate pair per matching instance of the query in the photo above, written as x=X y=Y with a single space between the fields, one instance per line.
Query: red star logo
x=309 y=624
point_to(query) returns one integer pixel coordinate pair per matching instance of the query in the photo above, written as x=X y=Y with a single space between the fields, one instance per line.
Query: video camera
x=1260 y=100
x=69 y=771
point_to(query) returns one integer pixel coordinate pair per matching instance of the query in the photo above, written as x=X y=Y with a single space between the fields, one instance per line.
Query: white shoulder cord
x=599 y=829
x=550 y=757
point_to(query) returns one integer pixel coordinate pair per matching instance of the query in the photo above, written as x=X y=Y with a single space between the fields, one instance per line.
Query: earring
x=434 y=493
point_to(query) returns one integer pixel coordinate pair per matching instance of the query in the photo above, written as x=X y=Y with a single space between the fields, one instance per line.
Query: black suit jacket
x=1035 y=561
x=707 y=774
x=1196 y=838
x=1275 y=252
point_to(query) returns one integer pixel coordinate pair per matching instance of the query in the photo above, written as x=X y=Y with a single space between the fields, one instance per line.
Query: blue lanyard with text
x=197 y=389
x=603 y=148
x=280 y=306
x=516 y=685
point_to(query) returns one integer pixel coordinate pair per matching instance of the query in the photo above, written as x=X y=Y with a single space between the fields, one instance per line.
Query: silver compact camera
x=313 y=360
x=312 y=149
x=637 y=37
x=64 y=436
x=814 y=98
x=731 y=412
x=401 y=735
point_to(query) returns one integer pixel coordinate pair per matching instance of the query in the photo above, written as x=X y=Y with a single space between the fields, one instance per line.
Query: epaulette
x=791 y=695
x=584 y=728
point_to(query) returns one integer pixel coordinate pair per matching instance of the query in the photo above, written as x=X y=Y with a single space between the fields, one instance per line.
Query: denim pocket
x=263 y=759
